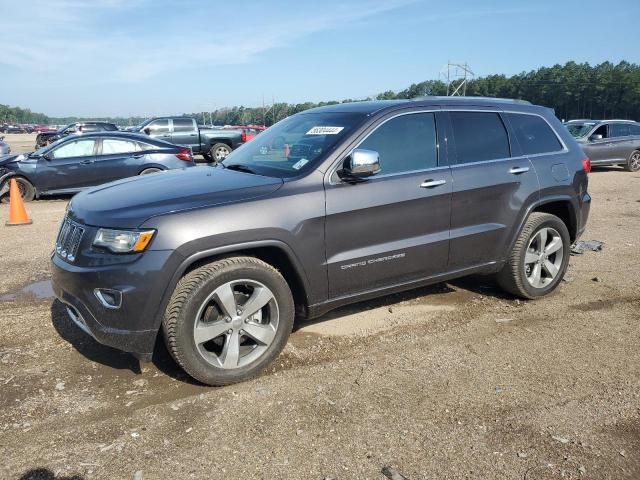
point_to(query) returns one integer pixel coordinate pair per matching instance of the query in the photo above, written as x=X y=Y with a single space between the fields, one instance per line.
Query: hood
x=129 y=203
x=11 y=158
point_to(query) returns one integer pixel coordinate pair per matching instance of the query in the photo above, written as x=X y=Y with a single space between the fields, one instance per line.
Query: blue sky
x=149 y=57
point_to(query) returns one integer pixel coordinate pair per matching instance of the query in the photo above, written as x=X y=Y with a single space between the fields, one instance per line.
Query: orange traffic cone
x=17 y=213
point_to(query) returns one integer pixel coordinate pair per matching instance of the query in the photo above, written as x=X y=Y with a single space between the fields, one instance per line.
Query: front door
x=68 y=166
x=490 y=188
x=599 y=150
x=394 y=227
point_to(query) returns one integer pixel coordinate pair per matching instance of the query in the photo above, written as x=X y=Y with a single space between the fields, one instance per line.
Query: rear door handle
x=519 y=170
x=86 y=162
x=432 y=183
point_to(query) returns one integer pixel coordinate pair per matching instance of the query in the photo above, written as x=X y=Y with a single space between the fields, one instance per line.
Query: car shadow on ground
x=162 y=360
x=112 y=357
x=439 y=293
x=46 y=474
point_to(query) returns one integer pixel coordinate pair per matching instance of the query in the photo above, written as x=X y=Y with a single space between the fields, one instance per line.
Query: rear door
x=117 y=158
x=490 y=187
x=185 y=132
x=69 y=166
x=621 y=141
x=394 y=227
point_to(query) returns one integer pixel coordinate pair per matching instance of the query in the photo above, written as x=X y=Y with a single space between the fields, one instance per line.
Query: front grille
x=69 y=239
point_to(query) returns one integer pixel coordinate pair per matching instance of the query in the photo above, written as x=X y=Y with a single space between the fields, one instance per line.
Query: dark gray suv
x=328 y=207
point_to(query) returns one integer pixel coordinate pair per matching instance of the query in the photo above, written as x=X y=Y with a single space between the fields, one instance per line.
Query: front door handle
x=519 y=170
x=86 y=162
x=432 y=183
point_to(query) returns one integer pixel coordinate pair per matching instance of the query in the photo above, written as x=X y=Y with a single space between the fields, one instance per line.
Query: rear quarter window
x=534 y=134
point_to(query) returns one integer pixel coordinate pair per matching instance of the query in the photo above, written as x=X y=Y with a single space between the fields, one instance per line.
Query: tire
x=219 y=152
x=633 y=163
x=147 y=171
x=529 y=271
x=27 y=190
x=215 y=344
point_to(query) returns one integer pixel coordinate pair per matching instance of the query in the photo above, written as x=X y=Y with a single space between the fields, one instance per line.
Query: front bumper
x=133 y=326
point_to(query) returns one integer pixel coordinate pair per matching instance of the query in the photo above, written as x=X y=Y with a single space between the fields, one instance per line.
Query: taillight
x=586 y=165
x=243 y=137
x=185 y=155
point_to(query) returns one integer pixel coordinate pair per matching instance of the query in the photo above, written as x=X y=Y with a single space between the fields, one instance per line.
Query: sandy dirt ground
x=454 y=381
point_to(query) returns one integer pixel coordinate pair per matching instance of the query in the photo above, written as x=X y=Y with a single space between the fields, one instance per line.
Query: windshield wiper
x=240 y=168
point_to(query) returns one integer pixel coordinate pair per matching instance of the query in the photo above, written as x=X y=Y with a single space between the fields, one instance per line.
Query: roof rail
x=460 y=98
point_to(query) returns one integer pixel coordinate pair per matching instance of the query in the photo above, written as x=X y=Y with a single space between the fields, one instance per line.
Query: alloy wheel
x=543 y=258
x=236 y=324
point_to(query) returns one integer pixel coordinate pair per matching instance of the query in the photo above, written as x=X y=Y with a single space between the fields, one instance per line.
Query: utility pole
x=457 y=74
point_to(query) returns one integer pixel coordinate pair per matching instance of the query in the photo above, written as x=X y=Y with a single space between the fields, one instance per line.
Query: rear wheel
x=633 y=163
x=219 y=152
x=27 y=190
x=226 y=321
x=539 y=258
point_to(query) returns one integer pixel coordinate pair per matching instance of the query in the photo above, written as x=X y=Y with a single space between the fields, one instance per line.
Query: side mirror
x=147 y=131
x=361 y=164
x=45 y=156
x=596 y=137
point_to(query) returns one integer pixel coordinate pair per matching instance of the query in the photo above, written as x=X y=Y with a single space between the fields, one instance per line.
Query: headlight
x=123 y=241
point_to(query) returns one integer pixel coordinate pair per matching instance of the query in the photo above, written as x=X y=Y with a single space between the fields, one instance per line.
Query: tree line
x=573 y=90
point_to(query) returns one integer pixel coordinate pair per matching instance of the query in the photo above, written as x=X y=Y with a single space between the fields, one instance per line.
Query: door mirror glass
x=595 y=137
x=147 y=130
x=361 y=164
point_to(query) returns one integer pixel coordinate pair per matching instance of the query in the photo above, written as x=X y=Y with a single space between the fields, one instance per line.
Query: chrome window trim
x=334 y=168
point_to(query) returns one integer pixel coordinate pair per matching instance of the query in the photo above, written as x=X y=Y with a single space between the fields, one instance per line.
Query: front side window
x=619 y=130
x=159 y=126
x=78 y=148
x=601 y=130
x=534 y=135
x=182 y=125
x=111 y=146
x=479 y=136
x=405 y=143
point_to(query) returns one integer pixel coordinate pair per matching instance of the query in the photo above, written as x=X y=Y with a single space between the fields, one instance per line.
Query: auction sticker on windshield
x=300 y=163
x=325 y=130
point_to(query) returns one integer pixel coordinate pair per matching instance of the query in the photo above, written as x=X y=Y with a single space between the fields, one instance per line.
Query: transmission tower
x=457 y=75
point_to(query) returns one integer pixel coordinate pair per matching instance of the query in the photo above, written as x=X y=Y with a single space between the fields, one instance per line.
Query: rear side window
x=634 y=129
x=182 y=125
x=111 y=146
x=479 y=136
x=534 y=134
x=405 y=143
x=619 y=130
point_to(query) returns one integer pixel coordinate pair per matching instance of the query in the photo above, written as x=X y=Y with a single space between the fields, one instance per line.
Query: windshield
x=579 y=130
x=293 y=145
x=61 y=130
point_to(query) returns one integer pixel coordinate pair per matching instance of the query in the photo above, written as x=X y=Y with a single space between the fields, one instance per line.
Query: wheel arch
x=274 y=252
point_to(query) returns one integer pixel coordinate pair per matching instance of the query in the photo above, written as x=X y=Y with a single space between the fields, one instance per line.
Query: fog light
x=109 y=298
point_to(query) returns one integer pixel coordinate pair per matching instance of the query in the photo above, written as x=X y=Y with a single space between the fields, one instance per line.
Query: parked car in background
x=10 y=128
x=5 y=149
x=45 y=138
x=330 y=206
x=608 y=142
x=76 y=162
x=43 y=129
x=213 y=143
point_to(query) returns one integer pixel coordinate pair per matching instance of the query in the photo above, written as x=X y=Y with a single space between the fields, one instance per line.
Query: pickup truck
x=214 y=144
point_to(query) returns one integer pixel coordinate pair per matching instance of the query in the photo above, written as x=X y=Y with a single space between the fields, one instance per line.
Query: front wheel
x=27 y=190
x=219 y=152
x=227 y=320
x=633 y=163
x=539 y=257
